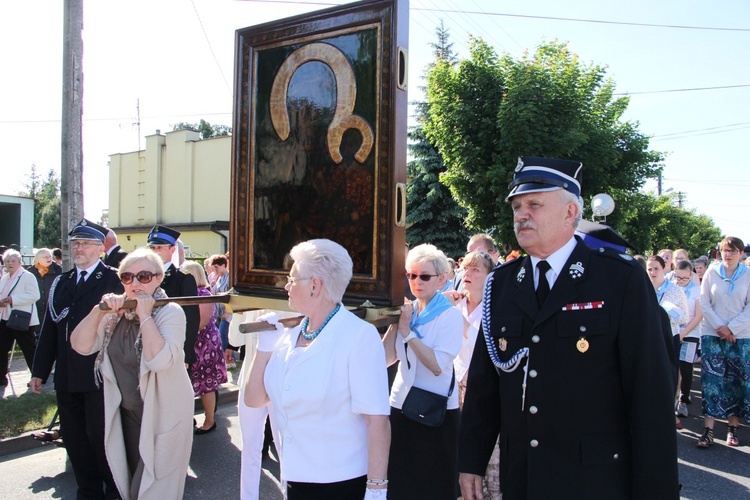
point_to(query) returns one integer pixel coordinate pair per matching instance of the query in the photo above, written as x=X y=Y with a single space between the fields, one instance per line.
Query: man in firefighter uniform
x=571 y=369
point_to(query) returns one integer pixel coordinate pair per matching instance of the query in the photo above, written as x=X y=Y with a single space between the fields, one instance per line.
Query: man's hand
x=36 y=385
x=471 y=486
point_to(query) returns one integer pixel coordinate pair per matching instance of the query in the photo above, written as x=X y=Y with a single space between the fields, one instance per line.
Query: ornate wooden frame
x=292 y=181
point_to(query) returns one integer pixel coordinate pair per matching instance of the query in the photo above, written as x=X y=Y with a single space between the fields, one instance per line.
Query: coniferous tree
x=433 y=216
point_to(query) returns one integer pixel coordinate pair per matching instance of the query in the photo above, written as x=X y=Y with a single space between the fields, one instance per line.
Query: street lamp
x=602 y=205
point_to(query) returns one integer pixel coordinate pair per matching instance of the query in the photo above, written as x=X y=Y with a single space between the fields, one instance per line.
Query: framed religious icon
x=319 y=146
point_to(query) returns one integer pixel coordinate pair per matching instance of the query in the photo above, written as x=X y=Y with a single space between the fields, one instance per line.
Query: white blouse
x=444 y=336
x=319 y=396
x=469 y=339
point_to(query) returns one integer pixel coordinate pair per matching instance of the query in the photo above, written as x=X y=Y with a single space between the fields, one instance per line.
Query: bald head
x=110 y=240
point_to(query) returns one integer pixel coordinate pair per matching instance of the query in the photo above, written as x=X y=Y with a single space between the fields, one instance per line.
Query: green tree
x=206 y=129
x=651 y=223
x=46 y=194
x=487 y=110
x=433 y=216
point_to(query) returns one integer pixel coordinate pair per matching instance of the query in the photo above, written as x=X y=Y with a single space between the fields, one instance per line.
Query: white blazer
x=24 y=295
x=319 y=396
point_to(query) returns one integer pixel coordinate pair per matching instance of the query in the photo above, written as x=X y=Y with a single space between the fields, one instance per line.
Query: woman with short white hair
x=426 y=340
x=18 y=291
x=326 y=383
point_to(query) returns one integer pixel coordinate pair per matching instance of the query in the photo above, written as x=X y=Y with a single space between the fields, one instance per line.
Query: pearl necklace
x=315 y=333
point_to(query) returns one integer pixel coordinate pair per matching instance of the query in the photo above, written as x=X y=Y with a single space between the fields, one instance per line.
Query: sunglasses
x=423 y=277
x=143 y=277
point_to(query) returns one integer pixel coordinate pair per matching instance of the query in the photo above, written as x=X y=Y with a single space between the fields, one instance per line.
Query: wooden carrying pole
x=239 y=303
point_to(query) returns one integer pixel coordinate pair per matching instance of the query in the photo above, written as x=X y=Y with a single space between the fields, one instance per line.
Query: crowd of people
x=484 y=355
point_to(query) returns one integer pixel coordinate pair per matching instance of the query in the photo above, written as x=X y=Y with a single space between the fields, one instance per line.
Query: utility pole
x=71 y=165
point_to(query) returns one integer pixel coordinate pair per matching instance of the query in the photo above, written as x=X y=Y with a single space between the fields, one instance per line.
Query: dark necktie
x=542 y=289
x=81 y=280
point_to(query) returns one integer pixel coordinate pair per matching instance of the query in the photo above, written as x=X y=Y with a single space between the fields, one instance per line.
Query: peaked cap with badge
x=163 y=235
x=565 y=383
x=87 y=230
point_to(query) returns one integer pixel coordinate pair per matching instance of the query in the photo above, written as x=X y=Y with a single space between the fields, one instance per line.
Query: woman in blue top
x=422 y=460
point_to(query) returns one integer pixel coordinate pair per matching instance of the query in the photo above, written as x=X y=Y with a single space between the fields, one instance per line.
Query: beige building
x=180 y=181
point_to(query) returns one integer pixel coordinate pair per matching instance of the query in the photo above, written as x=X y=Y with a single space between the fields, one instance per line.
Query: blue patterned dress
x=209 y=371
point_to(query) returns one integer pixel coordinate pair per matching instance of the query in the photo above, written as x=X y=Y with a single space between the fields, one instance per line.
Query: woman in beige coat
x=148 y=399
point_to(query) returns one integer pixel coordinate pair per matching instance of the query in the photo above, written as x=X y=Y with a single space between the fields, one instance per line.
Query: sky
x=148 y=65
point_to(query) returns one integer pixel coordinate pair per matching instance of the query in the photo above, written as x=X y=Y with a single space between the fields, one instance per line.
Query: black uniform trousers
x=82 y=424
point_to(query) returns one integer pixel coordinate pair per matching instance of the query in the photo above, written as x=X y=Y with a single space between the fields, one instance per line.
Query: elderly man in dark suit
x=571 y=370
x=162 y=241
x=79 y=400
x=114 y=252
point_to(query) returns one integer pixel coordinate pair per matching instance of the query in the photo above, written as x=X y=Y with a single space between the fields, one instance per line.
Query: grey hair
x=326 y=260
x=39 y=253
x=142 y=254
x=12 y=254
x=428 y=253
x=569 y=197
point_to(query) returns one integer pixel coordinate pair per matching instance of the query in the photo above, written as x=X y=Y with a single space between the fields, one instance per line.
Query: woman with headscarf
x=326 y=383
x=426 y=340
x=725 y=342
x=148 y=398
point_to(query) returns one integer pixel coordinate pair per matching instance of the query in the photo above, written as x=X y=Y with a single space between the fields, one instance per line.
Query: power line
x=526 y=16
x=595 y=21
x=719 y=87
x=210 y=48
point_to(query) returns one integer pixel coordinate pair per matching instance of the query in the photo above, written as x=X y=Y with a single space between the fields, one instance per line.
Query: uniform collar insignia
x=98 y=275
x=576 y=270
x=521 y=275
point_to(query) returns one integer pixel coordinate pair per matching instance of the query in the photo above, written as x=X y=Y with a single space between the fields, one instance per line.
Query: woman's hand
x=454 y=296
x=407 y=310
x=145 y=307
x=114 y=302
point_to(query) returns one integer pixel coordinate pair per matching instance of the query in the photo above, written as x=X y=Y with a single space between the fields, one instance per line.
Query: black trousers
x=351 y=489
x=82 y=424
x=25 y=341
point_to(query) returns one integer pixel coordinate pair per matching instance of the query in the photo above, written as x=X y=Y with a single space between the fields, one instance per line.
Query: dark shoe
x=199 y=431
x=732 y=436
x=707 y=439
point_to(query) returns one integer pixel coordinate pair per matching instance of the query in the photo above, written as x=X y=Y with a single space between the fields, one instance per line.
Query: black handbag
x=426 y=407
x=19 y=320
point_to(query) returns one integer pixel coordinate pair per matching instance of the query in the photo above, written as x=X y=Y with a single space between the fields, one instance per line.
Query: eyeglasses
x=423 y=277
x=683 y=280
x=731 y=251
x=143 y=277
x=291 y=280
x=83 y=244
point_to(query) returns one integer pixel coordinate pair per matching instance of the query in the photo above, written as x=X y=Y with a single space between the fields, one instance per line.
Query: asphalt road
x=717 y=473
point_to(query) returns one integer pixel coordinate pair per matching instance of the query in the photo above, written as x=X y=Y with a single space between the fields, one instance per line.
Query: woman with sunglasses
x=148 y=398
x=426 y=340
x=725 y=342
x=326 y=383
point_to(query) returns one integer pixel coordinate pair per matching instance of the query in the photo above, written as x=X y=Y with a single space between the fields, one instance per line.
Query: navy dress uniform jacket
x=594 y=424
x=73 y=372
x=115 y=257
x=179 y=284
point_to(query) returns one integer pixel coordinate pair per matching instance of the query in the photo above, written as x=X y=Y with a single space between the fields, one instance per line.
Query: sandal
x=707 y=439
x=732 y=436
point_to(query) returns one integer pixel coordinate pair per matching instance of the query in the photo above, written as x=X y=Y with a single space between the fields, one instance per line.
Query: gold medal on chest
x=503 y=344
x=582 y=345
